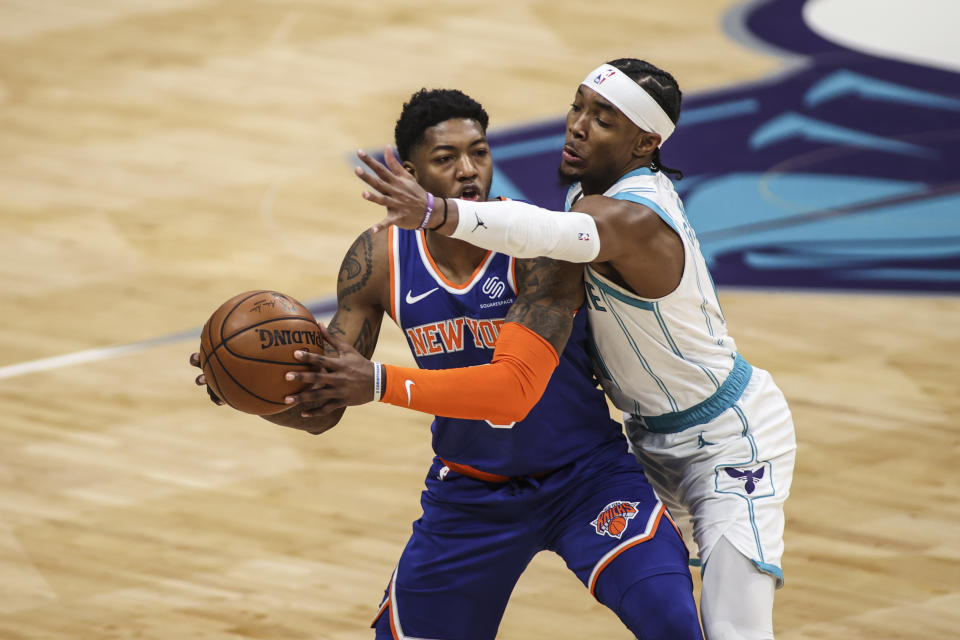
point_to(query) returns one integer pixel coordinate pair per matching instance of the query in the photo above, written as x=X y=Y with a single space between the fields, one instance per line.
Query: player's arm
x=549 y=292
x=537 y=328
x=636 y=242
x=536 y=331
x=362 y=291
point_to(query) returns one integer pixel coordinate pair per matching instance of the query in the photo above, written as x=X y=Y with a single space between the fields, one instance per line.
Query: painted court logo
x=614 y=518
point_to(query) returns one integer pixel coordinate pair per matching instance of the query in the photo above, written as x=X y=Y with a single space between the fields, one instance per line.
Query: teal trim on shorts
x=772 y=569
x=703 y=412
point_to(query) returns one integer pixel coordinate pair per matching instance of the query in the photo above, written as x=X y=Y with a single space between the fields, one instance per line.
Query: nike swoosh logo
x=412 y=299
x=408 y=384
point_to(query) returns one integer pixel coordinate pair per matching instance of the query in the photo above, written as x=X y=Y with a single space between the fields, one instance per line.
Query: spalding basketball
x=247 y=347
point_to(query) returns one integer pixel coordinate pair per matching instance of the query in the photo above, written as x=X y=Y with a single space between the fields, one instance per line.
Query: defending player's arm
x=537 y=328
x=630 y=236
x=361 y=287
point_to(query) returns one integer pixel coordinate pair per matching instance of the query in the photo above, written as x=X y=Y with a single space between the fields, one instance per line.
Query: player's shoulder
x=370 y=243
x=642 y=180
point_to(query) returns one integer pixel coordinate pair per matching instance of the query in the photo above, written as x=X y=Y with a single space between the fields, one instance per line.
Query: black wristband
x=444 y=221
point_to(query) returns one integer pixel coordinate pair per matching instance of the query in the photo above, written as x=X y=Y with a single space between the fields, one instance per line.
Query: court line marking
x=321 y=309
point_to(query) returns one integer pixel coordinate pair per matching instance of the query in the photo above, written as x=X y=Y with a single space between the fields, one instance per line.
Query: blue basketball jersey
x=451 y=325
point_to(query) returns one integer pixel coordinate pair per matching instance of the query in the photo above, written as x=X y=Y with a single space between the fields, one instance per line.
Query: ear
x=645 y=144
x=410 y=167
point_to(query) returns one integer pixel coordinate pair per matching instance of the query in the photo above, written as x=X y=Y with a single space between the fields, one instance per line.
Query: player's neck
x=456 y=259
x=596 y=185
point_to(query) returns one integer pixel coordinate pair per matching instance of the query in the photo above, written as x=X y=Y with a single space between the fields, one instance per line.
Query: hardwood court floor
x=157 y=157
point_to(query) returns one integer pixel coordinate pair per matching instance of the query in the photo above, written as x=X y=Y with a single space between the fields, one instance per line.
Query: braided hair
x=663 y=88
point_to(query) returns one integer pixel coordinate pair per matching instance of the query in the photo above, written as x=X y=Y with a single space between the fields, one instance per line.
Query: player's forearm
x=549 y=292
x=523 y=230
x=503 y=391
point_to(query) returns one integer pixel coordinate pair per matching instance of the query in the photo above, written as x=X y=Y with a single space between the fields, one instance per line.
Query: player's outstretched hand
x=395 y=189
x=338 y=381
x=201 y=380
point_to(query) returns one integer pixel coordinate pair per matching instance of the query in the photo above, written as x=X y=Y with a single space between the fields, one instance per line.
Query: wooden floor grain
x=157 y=157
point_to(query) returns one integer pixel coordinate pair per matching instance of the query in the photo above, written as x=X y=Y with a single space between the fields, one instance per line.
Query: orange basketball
x=616 y=526
x=247 y=346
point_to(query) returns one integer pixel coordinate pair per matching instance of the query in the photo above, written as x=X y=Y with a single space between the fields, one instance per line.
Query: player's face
x=453 y=161
x=600 y=143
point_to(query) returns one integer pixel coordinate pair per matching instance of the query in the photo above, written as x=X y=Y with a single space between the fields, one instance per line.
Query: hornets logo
x=614 y=518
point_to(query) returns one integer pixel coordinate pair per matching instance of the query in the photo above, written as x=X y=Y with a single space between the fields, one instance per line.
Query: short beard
x=565 y=179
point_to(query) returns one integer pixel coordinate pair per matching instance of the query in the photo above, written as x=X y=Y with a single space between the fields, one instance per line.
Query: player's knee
x=721 y=630
x=736 y=598
x=661 y=606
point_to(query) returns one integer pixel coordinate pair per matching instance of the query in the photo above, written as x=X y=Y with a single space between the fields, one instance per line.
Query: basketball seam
x=223 y=322
x=242 y=386
x=203 y=367
x=224 y=340
x=216 y=383
x=225 y=343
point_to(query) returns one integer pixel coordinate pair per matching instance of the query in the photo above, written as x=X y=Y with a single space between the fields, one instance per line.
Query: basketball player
x=714 y=433
x=507 y=483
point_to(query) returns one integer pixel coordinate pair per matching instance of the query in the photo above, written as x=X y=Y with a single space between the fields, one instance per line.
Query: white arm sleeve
x=526 y=231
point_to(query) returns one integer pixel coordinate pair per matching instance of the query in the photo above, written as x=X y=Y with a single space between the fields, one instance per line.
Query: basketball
x=247 y=346
x=616 y=526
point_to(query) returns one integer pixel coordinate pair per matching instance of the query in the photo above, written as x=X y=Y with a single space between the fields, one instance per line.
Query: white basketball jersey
x=667 y=361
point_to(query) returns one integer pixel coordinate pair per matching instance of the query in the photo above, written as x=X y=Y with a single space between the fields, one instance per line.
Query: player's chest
x=441 y=322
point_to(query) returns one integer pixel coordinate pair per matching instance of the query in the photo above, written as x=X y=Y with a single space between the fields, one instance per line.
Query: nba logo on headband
x=603 y=76
x=631 y=99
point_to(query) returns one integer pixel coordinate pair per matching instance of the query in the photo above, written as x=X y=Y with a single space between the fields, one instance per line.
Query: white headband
x=632 y=100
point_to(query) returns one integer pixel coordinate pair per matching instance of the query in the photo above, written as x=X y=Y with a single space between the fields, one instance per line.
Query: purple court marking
x=842 y=172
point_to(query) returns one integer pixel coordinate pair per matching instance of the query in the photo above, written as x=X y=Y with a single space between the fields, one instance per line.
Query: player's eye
x=603 y=125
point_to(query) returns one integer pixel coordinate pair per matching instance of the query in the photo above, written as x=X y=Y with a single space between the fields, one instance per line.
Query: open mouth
x=570 y=155
x=469 y=193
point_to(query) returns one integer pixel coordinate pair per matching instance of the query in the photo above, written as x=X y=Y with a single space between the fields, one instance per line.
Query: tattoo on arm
x=356 y=267
x=334 y=328
x=358 y=318
x=359 y=312
x=549 y=292
x=367 y=340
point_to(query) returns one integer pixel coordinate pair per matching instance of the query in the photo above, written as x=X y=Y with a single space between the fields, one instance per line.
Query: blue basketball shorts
x=475 y=538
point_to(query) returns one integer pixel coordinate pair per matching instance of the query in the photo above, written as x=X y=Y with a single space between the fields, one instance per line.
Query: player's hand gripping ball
x=247 y=346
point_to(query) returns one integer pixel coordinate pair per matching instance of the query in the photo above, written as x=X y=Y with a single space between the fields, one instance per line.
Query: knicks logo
x=614 y=518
